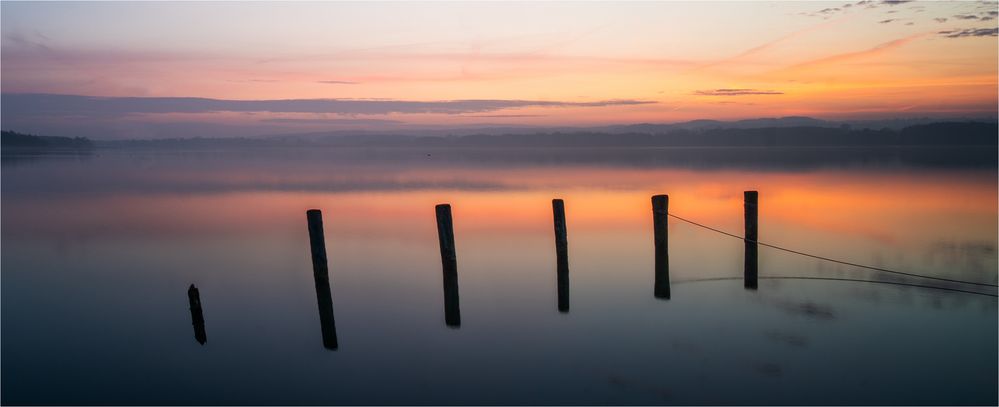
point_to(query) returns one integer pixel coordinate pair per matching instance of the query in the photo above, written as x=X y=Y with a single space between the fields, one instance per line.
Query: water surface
x=99 y=250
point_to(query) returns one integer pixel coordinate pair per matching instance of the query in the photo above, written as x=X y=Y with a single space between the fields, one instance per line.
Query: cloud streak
x=355 y=122
x=504 y=116
x=868 y=4
x=876 y=50
x=970 y=32
x=762 y=48
x=40 y=105
x=736 y=92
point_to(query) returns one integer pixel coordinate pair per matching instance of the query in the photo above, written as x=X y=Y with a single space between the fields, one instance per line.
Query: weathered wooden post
x=752 y=236
x=449 y=261
x=320 y=271
x=660 y=212
x=197 y=317
x=562 y=253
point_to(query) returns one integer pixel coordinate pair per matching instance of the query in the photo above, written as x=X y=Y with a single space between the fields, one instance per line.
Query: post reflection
x=449 y=263
x=320 y=271
x=197 y=317
x=562 y=254
x=660 y=212
x=751 y=237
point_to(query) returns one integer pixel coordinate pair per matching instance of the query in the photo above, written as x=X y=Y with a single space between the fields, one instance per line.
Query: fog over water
x=100 y=249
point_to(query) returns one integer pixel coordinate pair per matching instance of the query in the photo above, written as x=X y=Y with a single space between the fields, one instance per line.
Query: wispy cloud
x=35 y=105
x=762 y=48
x=503 y=116
x=863 y=3
x=736 y=92
x=970 y=32
x=983 y=16
x=362 y=122
x=254 y=80
x=876 y=50
x=24 y=56
x=33 y=42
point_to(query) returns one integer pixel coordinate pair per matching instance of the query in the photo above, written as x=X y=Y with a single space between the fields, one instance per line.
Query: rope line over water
x=831 y=259
x=839 y=279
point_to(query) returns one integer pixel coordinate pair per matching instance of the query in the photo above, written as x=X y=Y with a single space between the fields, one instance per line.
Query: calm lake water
x=99 y=251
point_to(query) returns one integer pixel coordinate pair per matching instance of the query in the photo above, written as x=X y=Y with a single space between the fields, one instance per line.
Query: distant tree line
x=14 y=139
x=936 y=134
x=943 y=134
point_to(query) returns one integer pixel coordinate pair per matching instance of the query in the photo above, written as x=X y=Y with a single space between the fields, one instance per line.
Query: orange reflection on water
x=883 y=206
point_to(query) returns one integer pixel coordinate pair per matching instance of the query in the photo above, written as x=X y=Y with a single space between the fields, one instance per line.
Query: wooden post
x=660 y=211
x=197 y=317
x=449 y=261
x=752 y=236
x=562 y=254
x=320 y=271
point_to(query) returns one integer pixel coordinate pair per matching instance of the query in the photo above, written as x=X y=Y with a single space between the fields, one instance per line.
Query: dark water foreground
x=100 y=251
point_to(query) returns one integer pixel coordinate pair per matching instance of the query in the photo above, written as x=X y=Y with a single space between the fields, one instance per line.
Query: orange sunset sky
x=393 y=65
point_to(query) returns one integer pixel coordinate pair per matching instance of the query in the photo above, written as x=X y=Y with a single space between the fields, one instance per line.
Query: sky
x=175 y=69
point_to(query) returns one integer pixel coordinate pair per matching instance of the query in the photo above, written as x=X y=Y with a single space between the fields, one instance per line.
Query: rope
x=832 y=260
x=838 y=279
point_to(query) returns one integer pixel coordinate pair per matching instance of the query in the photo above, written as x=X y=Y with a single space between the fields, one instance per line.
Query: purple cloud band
x=39 y=104
x=736 y=92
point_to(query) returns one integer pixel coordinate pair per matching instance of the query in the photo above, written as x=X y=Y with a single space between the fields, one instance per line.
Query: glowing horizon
x=577 y=63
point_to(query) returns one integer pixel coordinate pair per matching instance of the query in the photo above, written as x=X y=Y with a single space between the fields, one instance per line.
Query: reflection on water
x=320 y=271
x=561 y=254
x=751 y=257
x=449 y=262
x=98 y=248
x=197 y=316
x=660 y=215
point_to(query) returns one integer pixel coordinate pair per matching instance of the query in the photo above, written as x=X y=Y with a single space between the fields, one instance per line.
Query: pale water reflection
x=98 y=251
